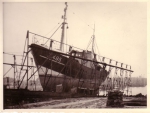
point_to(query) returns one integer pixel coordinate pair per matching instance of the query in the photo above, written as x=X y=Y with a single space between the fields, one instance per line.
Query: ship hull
x=56 y=69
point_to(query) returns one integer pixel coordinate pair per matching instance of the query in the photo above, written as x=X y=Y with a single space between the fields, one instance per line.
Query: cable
x=89 y=43
x=53 y=28
x=8 y=71
x=97 y=49
x=52 y=34
x=83 y=21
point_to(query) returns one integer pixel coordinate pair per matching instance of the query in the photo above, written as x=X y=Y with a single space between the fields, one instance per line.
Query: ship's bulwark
x=56 y=69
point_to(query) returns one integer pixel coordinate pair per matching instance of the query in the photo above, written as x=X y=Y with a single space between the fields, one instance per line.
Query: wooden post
x=14 y=70
x=27 y=37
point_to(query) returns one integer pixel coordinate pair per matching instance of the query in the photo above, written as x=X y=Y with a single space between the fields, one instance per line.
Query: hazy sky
x=120 y=28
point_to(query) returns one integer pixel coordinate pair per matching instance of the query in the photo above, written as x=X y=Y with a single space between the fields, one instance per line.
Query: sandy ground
x=72 y=103
x=68 y=103
x=77 y=103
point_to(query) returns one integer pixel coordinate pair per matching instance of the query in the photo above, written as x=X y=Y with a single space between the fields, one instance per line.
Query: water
x=135 y=90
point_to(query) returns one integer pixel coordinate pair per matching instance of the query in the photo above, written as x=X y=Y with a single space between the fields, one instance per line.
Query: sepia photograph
x=75 y=55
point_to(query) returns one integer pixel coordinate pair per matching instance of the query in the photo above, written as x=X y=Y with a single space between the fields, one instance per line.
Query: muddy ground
x=71 y=103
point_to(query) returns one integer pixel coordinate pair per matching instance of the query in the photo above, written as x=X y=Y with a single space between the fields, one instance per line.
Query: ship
x=70 y=70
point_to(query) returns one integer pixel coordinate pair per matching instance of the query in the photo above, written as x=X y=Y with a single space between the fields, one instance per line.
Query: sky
x=120 y=28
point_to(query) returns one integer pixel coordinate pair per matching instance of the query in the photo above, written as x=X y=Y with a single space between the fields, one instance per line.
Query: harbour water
x=134 y=91
x=137 y=90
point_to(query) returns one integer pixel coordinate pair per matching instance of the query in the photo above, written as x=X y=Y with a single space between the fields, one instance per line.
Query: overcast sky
x=120 y=28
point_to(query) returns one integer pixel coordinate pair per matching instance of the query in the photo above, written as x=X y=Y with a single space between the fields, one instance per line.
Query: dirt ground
x=92 y=102
x=71 y=103
x=76 y=103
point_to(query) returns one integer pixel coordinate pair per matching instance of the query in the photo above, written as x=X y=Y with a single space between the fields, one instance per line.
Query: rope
x=89 y=43
x=82 y=20
x=8 y=71
x=52 y=34
x=97 y=49
x=53 y=28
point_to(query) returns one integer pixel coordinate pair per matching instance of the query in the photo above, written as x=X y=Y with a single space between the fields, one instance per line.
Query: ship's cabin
x=86 y=55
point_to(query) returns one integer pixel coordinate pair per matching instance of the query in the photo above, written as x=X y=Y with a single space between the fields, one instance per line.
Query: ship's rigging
x=97 y=59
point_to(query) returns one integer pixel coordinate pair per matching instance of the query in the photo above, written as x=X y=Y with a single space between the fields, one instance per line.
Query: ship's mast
x=93 y=39
x=63 y=28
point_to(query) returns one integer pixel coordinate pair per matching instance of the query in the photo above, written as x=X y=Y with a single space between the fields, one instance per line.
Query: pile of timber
x=115 y=99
